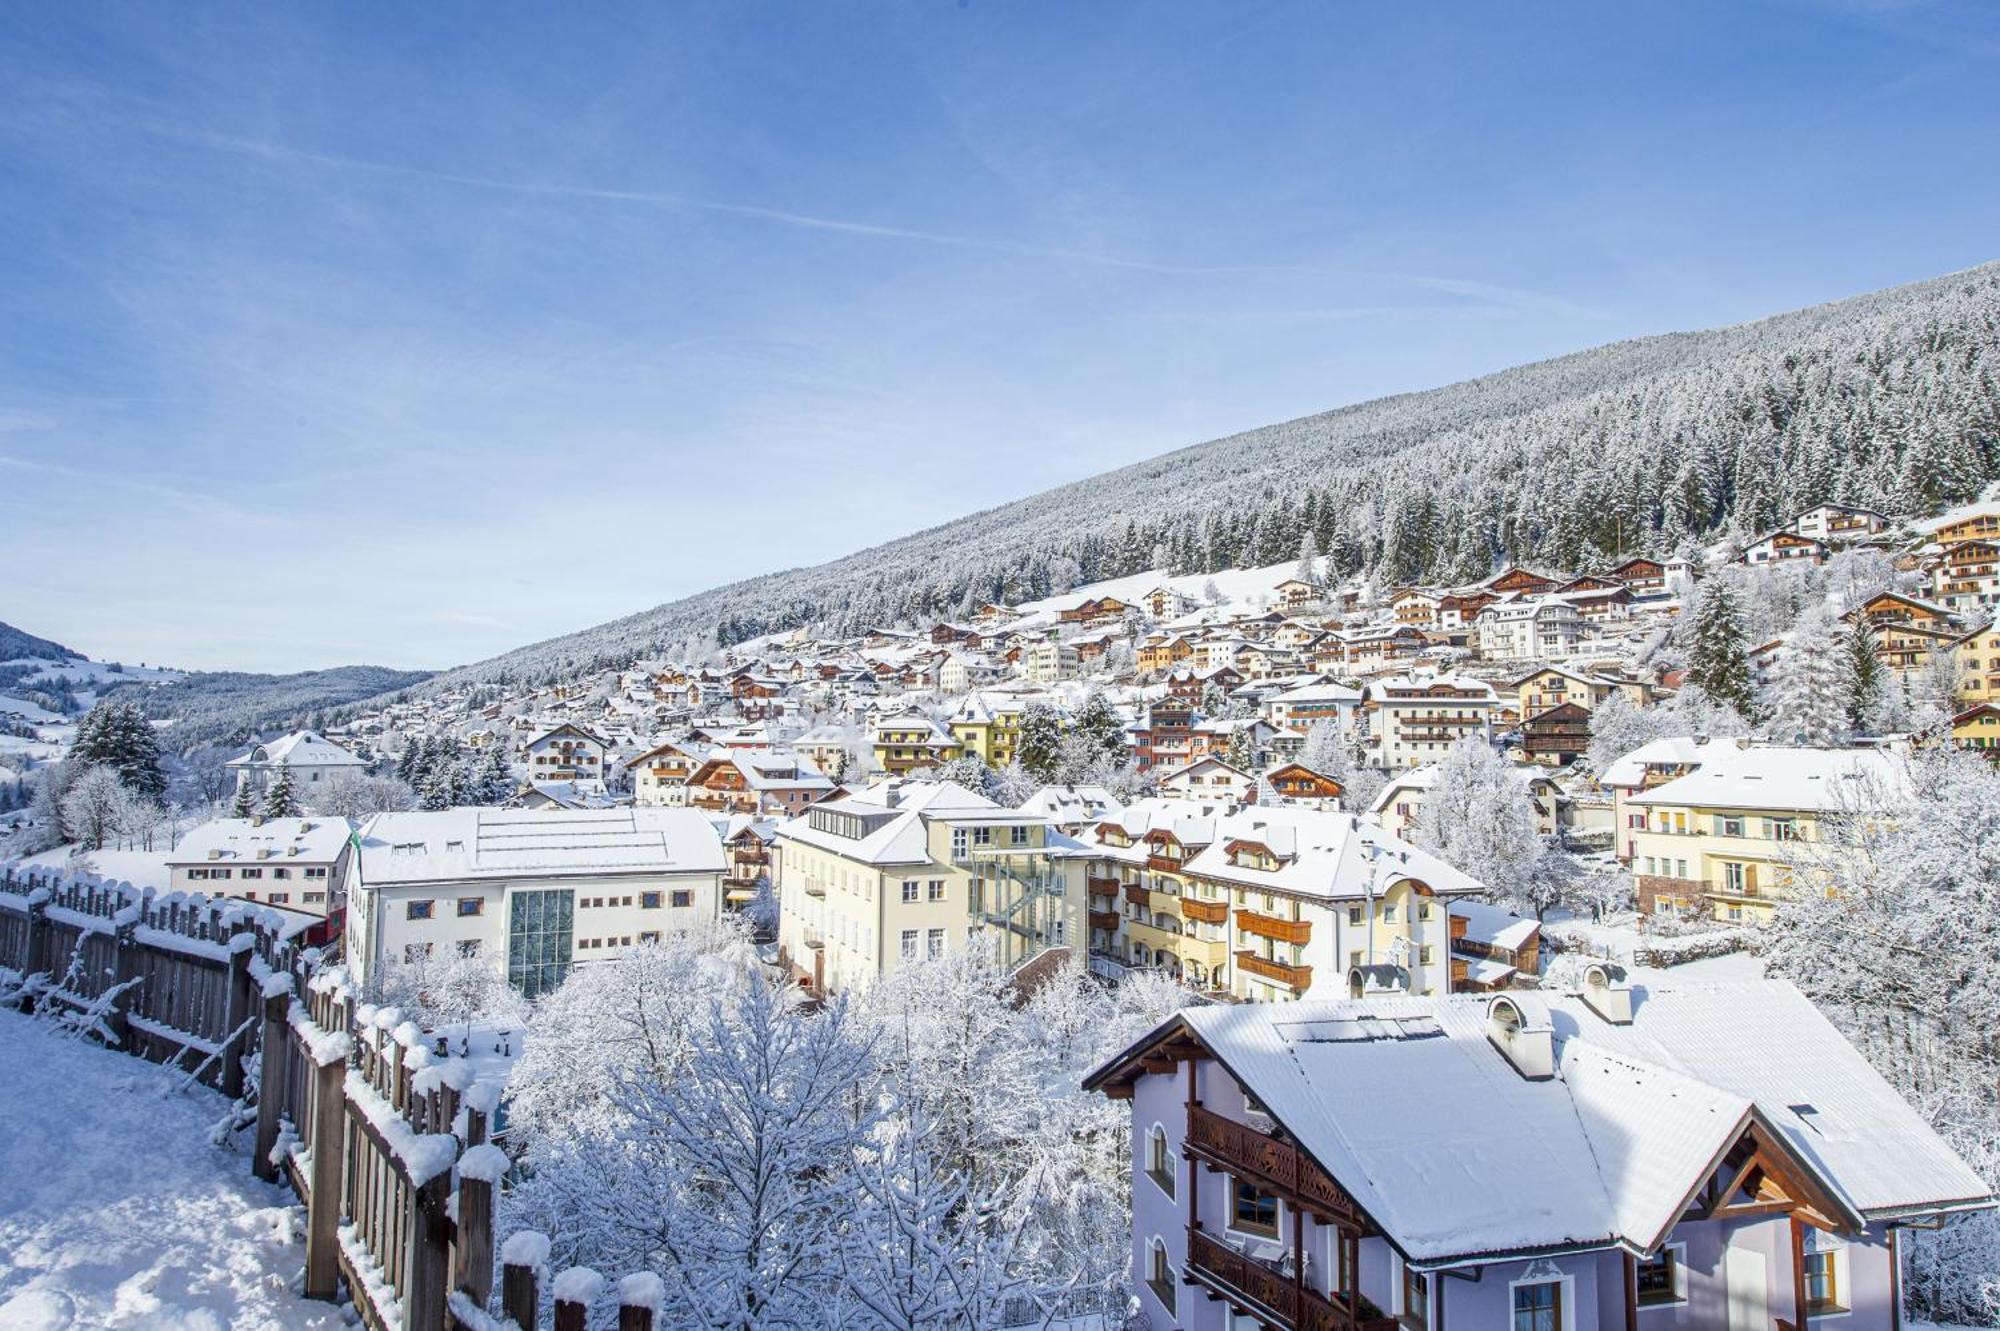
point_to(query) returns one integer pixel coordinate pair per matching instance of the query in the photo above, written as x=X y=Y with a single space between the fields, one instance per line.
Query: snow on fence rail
x=1674 y=951
x=380 y=1130
x=164 y=976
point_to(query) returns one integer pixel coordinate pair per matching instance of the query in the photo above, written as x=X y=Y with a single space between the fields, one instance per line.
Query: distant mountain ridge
x=213 y=706
x=1890 y=399
x=16 y=645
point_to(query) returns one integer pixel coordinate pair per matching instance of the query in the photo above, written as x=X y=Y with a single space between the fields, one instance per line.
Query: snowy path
x=115 y=1211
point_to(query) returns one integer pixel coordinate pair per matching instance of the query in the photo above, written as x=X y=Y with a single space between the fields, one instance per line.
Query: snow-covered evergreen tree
x=1811 y=689
x=281 y=797
x=117 y=735
x=1478 y=818
x=1718 y=660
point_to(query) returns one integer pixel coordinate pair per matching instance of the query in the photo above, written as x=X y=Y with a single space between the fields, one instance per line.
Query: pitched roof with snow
x=301 y=748
x=315 y=839
x=1605 y=1152
x=1809 y=780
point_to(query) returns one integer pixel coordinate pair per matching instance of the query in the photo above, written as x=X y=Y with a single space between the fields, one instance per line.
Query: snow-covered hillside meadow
x=116 y=1210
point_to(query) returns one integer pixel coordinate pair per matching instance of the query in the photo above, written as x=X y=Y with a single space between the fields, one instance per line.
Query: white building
x=1415 y=719
x=536 y=891
x=297 y=863
x=312 y=760
x=1545 y=629
x=565 y=753
x=1048 y=660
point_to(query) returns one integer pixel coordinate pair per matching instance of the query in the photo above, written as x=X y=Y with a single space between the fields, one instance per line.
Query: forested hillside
x=224 y=706
x=18 y=646
x=1889 y=400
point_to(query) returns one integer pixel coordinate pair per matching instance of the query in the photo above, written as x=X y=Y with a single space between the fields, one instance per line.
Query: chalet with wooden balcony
x=1209 y=778
x=1782 y=548
x=1965 y=577
x=660 y=774
x=1840 y=523
x=1295 y=783
x=778 y=784
x=1591 y=1161
x=1645 y=577
x=1557 y=736
x=1415 y=719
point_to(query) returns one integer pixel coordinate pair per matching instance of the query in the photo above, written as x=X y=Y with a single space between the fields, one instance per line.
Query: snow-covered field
x=115 y=1209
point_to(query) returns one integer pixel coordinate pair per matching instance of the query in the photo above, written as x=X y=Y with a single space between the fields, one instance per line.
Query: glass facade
x=539 y=930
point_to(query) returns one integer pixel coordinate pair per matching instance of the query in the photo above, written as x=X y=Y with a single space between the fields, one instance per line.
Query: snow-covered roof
x=898 y=831
x=481 y=843
x=301 y=748
x=1674 y=751
x=1606 y=1151
x=1071 y=804
x=1493 y=926
x=315 y=839
x=1809 y=780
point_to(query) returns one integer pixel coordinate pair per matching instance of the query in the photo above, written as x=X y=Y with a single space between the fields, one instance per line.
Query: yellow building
x=1979 y=666
x=1723 y=839
x=913 y=870
x=912 y=742
x=986 y=730
x=1978 y=728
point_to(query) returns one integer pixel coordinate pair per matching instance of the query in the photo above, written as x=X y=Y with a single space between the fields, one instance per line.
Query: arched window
x=1160 y=1274
x=1160 y=1160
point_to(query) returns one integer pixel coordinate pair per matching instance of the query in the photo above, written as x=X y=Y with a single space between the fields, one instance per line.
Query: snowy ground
x=115 y=1210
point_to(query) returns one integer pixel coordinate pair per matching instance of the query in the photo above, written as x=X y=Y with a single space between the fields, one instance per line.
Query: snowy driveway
x=115 y=1211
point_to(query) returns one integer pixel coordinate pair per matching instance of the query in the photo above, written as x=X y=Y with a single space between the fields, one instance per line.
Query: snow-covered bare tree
x=1478 y=818
x=1811 y=687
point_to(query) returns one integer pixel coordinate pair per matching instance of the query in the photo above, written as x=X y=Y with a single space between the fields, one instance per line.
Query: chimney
x=1607 y=992
x=1519 y=1027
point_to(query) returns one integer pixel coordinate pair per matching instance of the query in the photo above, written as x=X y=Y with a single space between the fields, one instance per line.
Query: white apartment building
x=565 y=753
x=297 y=863
x=1047 y=660
x=1415 y=719
x=537 y=891
x=1545 y=629
x=911 y=870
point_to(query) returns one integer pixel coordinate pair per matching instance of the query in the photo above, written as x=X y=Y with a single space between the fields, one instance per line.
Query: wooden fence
x=380 y=1130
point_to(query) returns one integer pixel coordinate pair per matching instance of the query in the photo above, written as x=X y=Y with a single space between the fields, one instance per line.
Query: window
x=281 y=873
x=417 y=910
x=681 y=897
x=1354 y=915
x=1416 y=1297
x=279 y=898
x=935 y=944
x=539 y=929
x=1660 y=1276
x=1160 y=1274
x=1252 y=1211
x=315 y=873
x=935 y=891
x=1388 y=913
x=909 y=944
x=415 y=952
x=910 y=889
x=982 y=836
x=1538 y=1306
x=1823 y=1282
x=649 y=901
x=1018 y=835
x=1726 y=825
x=1160 y=1160
x=468 y=947
x=471 y=906
x=253 y=873
x=1784 y=829
x=315 y=897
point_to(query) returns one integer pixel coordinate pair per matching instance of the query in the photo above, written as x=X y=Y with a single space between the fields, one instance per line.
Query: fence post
x=575 y=1290
x=275 y=1047
x=33 y=959
x=640 y=1297
x=326 y=1136
x=522 y=1259
x=479 y=1170
x=428 y=1264
x=238 y=1010
x=124 y=969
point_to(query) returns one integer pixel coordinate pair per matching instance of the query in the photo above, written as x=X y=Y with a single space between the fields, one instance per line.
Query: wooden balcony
x=1207 y=912
x=1272 y=926
x=1102 y=887
x=1137 y=895
x=1299 y=977
x=1163 y=864
x=1107 y=920
x=1272 y=1297
x=1278 y=1165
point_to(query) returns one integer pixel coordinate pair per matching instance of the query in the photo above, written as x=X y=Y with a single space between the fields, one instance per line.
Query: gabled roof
x=301 y=748
x=1607 y=1152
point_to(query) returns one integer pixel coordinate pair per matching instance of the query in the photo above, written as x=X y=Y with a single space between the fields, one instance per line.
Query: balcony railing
x=1273 y=1297
x=1103 y=887
x=1163 y=864
x=1106 y=920
x=1207 y=912
x=1137 y=895
x=1278 y=1165
x=1299 y=977
x=1274 y=927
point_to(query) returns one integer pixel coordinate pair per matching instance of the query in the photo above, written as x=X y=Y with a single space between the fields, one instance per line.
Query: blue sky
x=410 y=333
